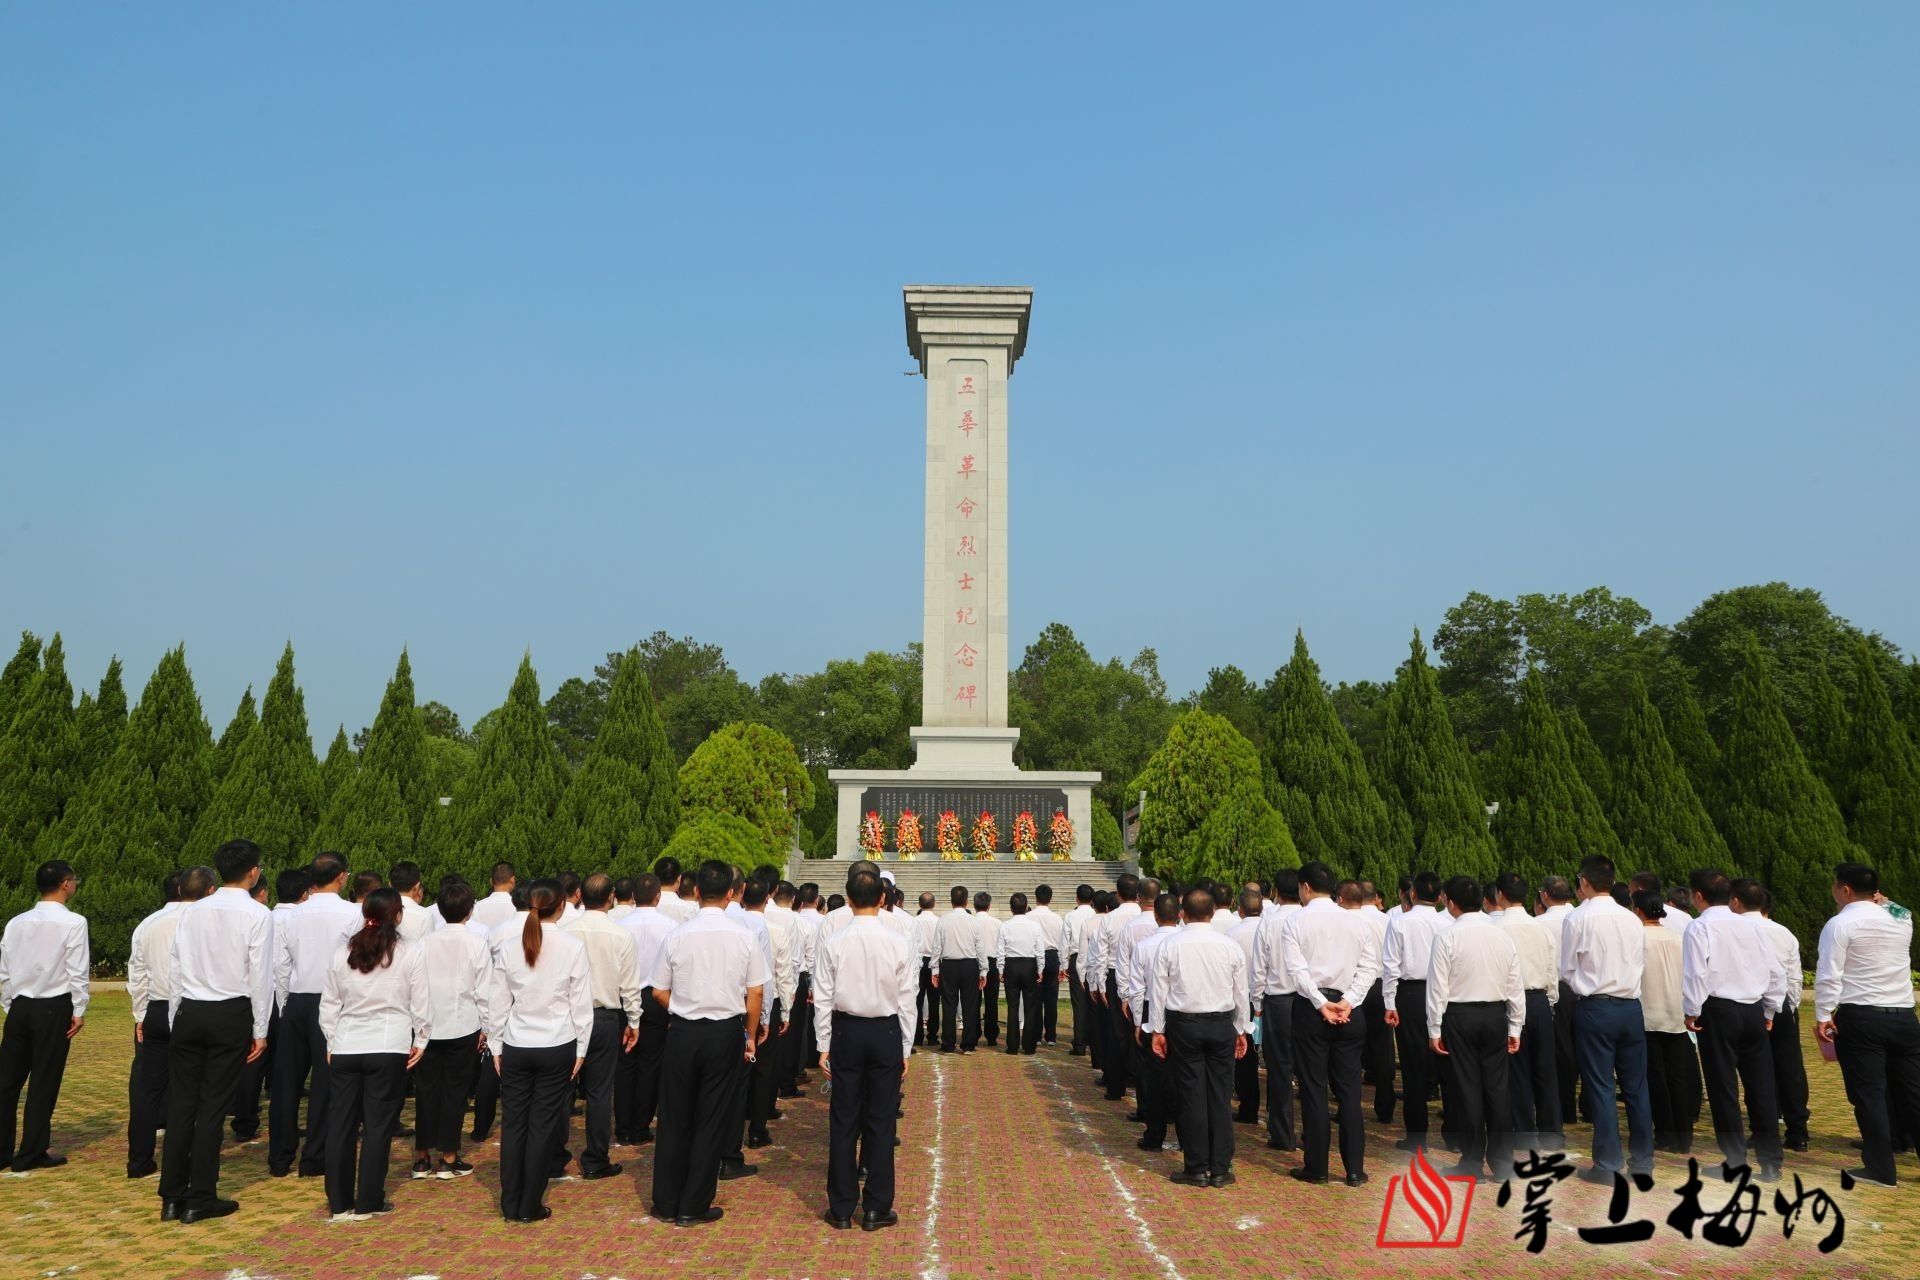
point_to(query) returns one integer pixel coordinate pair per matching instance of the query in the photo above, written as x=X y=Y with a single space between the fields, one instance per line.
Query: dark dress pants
x=1535 y=1078
x=1327 y=1058
x=1734 y=1053
x=596 y=1080
x=1879 y=1051
x=442 y=1081
x=1673 y=1088
x=761 y=1087
x=867 y=1065
x=1077 y=1000
x=366 y=1092
x=1610 y=1036
x=33 y=1056
x=1246 y=1082
x=990 y=1005
x=536 y=1088
x=1566 y=1061
x=637 y=1094
x=1790 y=1075
x=1379 y=1053
x=1276 y=1047
x=147 y=1088
x=210 y=1042
x=1417 y=1070
x=700 y=1079
x=926 y=1006
x=1475 y=1034
x=1200 y=1053
x=959 y=1002
x=302 y=1050
x=1120 y=1046
x=253 y=1080
x=1023 y=1005
x=1154 y=1085
x=1050 y=996
x=486 y=1095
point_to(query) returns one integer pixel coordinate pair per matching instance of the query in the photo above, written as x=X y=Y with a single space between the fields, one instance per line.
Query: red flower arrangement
x=986 y=836
x=947 y=837
x=906 y=835
x=1060 y=836
x=873 y=834
x=1026 y=837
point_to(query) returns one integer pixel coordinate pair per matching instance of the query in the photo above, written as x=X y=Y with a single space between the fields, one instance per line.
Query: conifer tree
x=271 y=794
x=130 y=825
x=17 y=675
x=231 y=738
x=1549 y=818
x=1824 y=738
x=1321 y=783
x=397 y=744
x=1206 y=811
x=1781 y=822
x=1586 y=755
x=1693 y=744
x=1661 y=823
x=623 y=804
x=504 y=808
x=338 y=766
x=752 y=772
x=40 y=764
x=376 y=814
x=101 y=719
x=1428 y=768
x=1881 y=798
x=1906 y=698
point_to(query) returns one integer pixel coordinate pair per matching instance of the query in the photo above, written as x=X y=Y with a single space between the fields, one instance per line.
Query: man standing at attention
x=1196 y=1018
x=1731 y=985
x=1602 y=956
x=45 y=964
x=958 y=974
x=614 y=976
x=1331 y=959
x=304 y=945
x=1863 y=1007
x=1273 y=989
x=1053 y=929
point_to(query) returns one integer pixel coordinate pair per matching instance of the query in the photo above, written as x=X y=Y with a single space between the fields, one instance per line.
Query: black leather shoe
x=1598 y=1176
x=755 y=1141
x=1076 y=1053
x=775 y=1114
x=1355 y=1179
x=1186 y=1179
x=1222 y=1179
x=605 y=1171
x=1861 y=1175
x=211 y=1209
x=729 y=1171
x=46 y=1160
x=1797 y=1144
x=146 y=1170
x=280 y=1170
x=1301 y=1175
x=871 y=1221
x=1278 y=1145
x=1134 y=1117
x=642 y=1138
x=1417 y=1142
x=838 y=1224
x=1145 y=1145
x=546 y=1211
x=170 y=1210
x=694 y=1220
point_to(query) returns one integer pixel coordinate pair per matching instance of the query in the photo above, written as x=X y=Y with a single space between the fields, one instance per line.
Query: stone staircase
x=1001 y=878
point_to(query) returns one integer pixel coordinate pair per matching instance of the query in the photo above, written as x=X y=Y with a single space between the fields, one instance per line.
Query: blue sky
x=476 y=328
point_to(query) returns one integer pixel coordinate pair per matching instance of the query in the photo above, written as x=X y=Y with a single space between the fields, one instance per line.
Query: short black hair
x=570 y=884
x=715 y=880
x=783 y=892
x=1711 y=885
x=1317 y=876
x=1127 y=886
x=404 y=875
x=170 y=886
x=364 y=883
x=1286 y=885
x=667 y=867
x=501 y=874
x=234 y=859
x=1084 y=893
x=1464 y=893
x=1512 y=886
x=292 y=885
x=1426 y=887
x=756 y=893
x=1620 y=894
x=456 y=903
x=1017 y=904
x=863 y=889
x=1251 y=902
x=1645 y=880
x=646 y=889
x=836 y=901
x=982 y=900
x=1166 y=908
x=51 y=876
x=623 y=889
x=1556 y=888
x=957 y=895
x=1748 y=893
x=1043 y=894
x=197 y=882
x=596 y=890
x=1597 y=870
x=325 y=868
x=1859 y=877
x=1199 y=905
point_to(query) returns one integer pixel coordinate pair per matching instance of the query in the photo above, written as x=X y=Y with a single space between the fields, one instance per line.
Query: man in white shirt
x=989 y=928
x=637 y=1087
x=1053 y=925
x=710 y=977
x=776 y=923
x=926 y=1003
x=45 y=964
x=1534 y=1071
x=1379 y=1050
x=222 y=995
x=1731 y=986
x=614 y=974
x=1331 y=959
x=623 y=903
x=1273 y=994
x=1117 y=1066
x=1476 y=1006
x=1120 y=961
x=672 y=905
x=1603 y=953
x=290 y=888
x=1020 y=948
x=1556 y=904
x=497 y=907
x=958 y=974
x=807 y=919
x=1246 y=1068
x=1405 y=963
x=1751 y=899
x=150 y=988
x=416 y=922
x=1196 y=1019
x=864 y=1020
x=1863 y=1006
x=1153 y=1078
x=1073 y=930
x=303 y=947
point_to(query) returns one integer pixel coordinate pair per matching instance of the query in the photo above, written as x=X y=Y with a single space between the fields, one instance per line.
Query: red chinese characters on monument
x=966 y=420
x=966 y=507
x=965 y=655
x=965 y=582
x=967 y=424
x=967 y=467
x=966 y=547
x=967 y=693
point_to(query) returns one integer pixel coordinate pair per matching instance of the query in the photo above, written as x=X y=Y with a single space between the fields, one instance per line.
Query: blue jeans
x=1609 y=1040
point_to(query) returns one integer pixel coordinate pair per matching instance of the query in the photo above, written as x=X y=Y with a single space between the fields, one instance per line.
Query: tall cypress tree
x=245 y=718
x=377 y=812
x=1781 y=822
x=623 y=805
x=338 y=766
x=397 y=744
x=1428 y=767
x=1881 y=798
x=1549 y=818
x=505 y=807
x=1825 y=738
x=1661 y=823
x=129 y=827
x=1693 y=744
x=271 y=794
x=40 y=762
x=1206 y=813
x=101 y=720
x=1906 y=698
x=1321 y=781
x=17 y=675
x=1586 y=755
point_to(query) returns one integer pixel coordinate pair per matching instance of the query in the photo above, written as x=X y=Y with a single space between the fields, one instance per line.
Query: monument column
x=967 y=340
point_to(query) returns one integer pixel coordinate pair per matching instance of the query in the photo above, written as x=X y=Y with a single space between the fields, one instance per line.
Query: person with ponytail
x=374 y=1013
x=539 y=1018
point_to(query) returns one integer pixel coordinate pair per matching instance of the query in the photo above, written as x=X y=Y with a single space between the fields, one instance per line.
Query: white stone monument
x=966 y=338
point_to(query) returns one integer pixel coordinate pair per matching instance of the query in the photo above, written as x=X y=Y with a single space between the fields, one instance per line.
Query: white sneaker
x=350 y=1217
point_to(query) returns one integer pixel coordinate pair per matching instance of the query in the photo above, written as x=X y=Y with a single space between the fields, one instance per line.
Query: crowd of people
x=678 y=1008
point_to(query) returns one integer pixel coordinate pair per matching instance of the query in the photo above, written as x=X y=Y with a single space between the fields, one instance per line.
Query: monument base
x=931 y=789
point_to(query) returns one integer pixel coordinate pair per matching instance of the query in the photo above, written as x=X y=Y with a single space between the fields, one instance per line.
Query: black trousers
x=1475 y=1034
x=926 y=1006
x=1673 y=1087
x=867 y=1066
x=1120 y=1047
x=1879 y=1051
x=1327 y=1059
x=800 y=1027
x=1276 y=1046
x=1379 y=1052
x=636 y=1093
x=959 y=1003
x=762 y=1082
x=1077 y=1000
x=700 y=1080
x=596 y=1081
x=1535 y=1079
x=1417 y=1068
x=303 y=1050
x=990 y=1005
x=1733 y=1043
x=1023 y=1005
x=1153 y=1085
x=210 y=1042
x=253 y=1079
x=442 y=1081
x=1566 y=1062
x=486 y=1095
x=536 y=1088
x=1246 y=1082
x=147 y=1088
x=33 y=1056
x=1050 y=995
x=1200 y=1049
x=1789 y=1075
x=367 y=1090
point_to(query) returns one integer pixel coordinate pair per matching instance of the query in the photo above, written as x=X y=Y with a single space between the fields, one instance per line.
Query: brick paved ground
x=1036 y=1176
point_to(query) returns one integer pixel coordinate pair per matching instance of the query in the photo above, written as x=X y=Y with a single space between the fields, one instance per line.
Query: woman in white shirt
x=1673 y=1065
x=540 y=1016
x=373 y=1013
x=459 y=965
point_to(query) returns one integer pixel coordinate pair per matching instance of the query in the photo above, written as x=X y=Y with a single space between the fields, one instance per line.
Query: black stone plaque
x=1004 y=803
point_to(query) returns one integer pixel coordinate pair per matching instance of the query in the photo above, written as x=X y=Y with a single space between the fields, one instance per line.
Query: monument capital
x=967 y=315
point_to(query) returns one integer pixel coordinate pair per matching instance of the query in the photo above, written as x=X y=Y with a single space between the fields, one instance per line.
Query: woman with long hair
x=539 y=1018
x=374 y=1014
